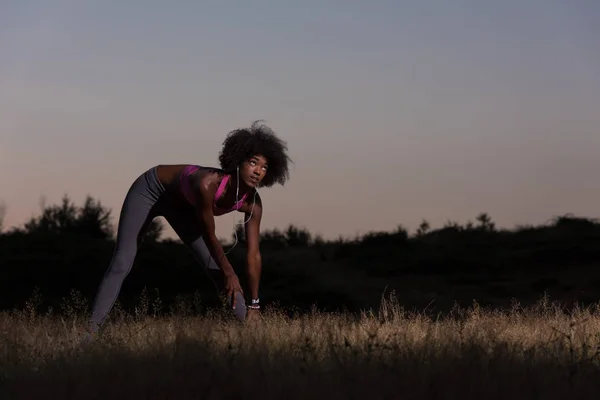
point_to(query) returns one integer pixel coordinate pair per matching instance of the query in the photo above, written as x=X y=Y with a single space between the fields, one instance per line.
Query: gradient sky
x=394 y=111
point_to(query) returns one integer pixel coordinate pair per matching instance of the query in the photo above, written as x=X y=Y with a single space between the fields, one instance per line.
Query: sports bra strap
x=221 y=187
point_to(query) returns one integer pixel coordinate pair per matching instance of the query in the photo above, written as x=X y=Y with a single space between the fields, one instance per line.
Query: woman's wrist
x=254 y=304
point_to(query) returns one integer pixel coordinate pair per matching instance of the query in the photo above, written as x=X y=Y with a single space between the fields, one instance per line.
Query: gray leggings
x=145 y=201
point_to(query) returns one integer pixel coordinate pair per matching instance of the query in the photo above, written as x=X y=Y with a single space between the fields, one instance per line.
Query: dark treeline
x=65 y=250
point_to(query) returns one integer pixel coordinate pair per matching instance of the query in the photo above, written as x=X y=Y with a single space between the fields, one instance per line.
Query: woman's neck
x=233 y=188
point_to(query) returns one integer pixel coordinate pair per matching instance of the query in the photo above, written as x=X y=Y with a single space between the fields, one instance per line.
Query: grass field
x=541 y=352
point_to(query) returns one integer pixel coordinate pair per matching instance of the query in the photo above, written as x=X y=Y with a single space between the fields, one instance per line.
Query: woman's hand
x=232 y=285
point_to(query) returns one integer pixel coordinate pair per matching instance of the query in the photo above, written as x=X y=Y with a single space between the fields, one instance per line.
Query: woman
x=189 y=197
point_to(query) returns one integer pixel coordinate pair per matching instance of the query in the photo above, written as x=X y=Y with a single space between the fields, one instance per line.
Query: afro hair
x=242 y=144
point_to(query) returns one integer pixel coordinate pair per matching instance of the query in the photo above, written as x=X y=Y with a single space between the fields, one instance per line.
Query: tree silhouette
x=272 y=240
x=423 y=228
x=91 y=220
x=485 y=222
x=154 y=231
x=296 y=237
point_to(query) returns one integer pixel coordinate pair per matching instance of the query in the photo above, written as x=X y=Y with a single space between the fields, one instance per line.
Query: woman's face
x=253 y=170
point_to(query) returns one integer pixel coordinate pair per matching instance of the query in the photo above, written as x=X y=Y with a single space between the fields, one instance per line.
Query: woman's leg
x=136 y=214
x=187 y=227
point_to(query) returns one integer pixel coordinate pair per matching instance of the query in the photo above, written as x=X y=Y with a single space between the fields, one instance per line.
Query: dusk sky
x=393 y=111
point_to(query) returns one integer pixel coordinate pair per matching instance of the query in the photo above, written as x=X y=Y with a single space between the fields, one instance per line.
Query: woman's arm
x=253 y=257
x=204 y=212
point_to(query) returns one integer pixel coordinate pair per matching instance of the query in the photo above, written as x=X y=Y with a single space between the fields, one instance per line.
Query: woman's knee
x=121 y=263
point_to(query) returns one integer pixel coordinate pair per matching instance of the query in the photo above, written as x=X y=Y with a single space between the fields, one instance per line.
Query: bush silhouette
x=68 y=247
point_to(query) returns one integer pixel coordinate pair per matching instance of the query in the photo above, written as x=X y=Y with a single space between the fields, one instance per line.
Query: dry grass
x=541 y=352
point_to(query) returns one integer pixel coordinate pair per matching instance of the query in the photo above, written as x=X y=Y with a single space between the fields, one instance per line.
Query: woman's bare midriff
x=169 y=174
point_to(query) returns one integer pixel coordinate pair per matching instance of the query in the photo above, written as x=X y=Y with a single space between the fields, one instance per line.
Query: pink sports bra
x=187 y=190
